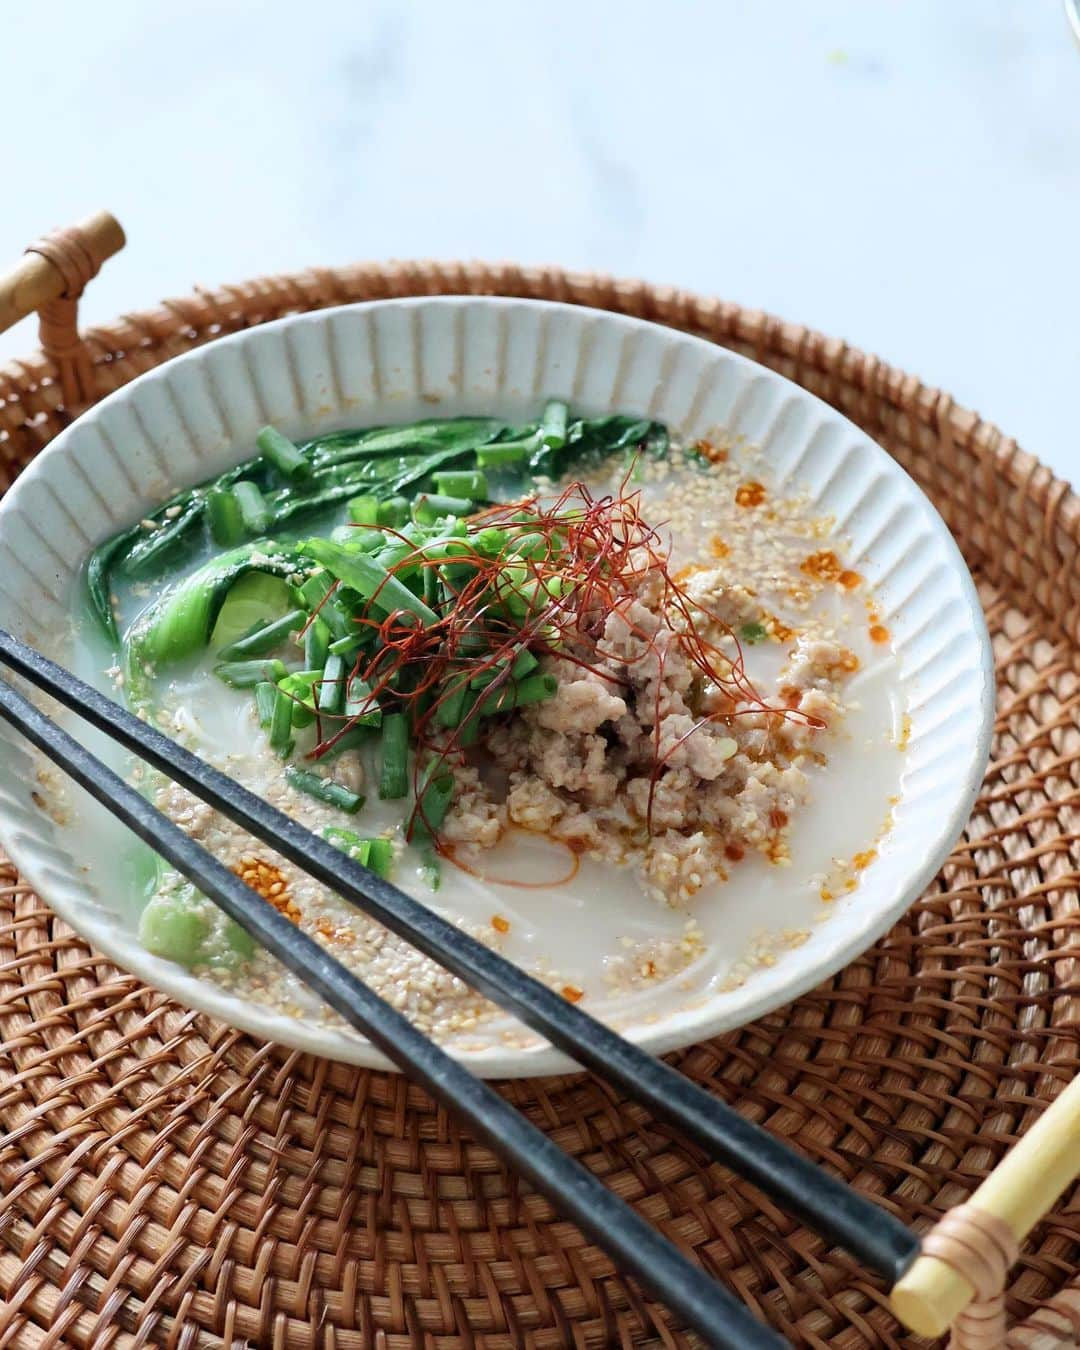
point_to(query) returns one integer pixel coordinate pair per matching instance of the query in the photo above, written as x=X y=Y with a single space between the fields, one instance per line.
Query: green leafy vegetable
x=99 y=579
x=173 y=525
x=252 y=602
x=181 y=621
x=458 y=434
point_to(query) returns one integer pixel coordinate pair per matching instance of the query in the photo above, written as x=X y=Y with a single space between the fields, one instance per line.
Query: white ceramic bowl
x=395 y=361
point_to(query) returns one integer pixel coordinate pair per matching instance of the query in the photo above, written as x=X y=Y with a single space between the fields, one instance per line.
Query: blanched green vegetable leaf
x=462 y=433
x=590 y=440
x=156 y=545
x=141 y=552
x=181 y=621
x=99 y=578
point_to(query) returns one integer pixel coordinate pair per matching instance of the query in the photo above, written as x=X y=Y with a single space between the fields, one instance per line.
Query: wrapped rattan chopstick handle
x=58 y=266
x=50 y=278
x=1008 y=1204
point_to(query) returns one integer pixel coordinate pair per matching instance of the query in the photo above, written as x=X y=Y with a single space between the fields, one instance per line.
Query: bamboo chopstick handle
x=58 y=266
x=1018 y=1192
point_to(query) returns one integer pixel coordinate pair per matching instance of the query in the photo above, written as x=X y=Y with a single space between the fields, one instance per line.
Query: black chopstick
x=633 y=1244
x=824 y=1204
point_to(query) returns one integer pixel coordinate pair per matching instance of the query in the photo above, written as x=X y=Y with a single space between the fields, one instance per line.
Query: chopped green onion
x=377 y=855
x=505 y=452
x=279 y=451
x=533 y=689
x=299 y=689
x=393 y=554
x=265 y=702
x=451 y=704
x=350 y=602
x=264 y=639
x=254 y=511
x=492 y=541
x=366 y=575
x=431 y=868
x=361 y=539
x=553 y=424
x=380 y=857
x=394 y=776
x=332 y=688
x=431 y=586
x=394 y=511
x=432 y=801
x=363 y=511
x=248 y=674
x=473 y=642
x=226 y=522
x=316 y=643
x=453 y=576
x=463 y=483
x=345 y=646
x=324 y=789
x=446 y=547
x=523 y=663
x=281 y=721
x=533 y=545
x=342 y=838
x=522 y=592
x=356 y=735
x=431 y=506
x=316 y=588
x=468 y=732
x=332 y=613
x=753 y=632
x=358 y=701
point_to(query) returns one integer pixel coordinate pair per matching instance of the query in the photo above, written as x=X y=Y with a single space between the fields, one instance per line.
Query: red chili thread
x=596 y=553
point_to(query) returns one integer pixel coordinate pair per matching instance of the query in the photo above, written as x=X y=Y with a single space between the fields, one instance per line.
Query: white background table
x=902 y=173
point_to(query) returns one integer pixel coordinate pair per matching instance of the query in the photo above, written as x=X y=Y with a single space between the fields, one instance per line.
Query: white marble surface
x=904 y=173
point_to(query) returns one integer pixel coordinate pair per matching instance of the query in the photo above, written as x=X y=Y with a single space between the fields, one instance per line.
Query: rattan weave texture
x=165 y=1181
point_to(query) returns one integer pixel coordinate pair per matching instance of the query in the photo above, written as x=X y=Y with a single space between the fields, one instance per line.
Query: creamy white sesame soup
x=568 y=676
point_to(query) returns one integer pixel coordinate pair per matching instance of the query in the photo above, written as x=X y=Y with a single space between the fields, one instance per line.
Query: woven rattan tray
x=166 y=1181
